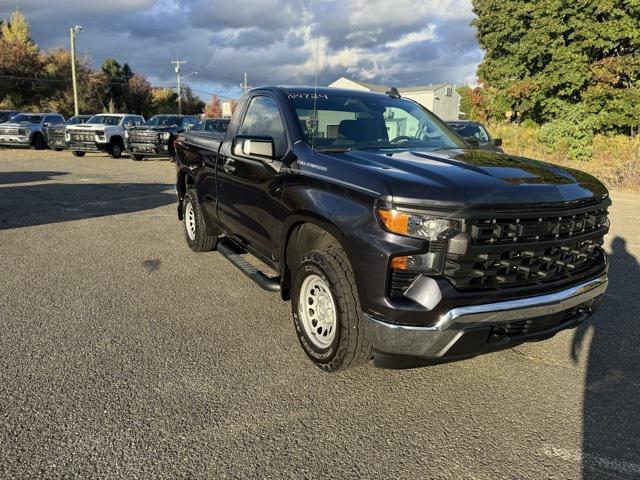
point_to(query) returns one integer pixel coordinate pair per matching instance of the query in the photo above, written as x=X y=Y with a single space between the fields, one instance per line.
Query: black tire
x=137 y=157
x=204 y=238
x=37 y=142
x=115 y=149
x=78 y=154
x=58 y=149
x=349 y=347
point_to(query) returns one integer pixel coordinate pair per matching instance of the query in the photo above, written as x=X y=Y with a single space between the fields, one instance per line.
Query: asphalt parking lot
x=125 y=355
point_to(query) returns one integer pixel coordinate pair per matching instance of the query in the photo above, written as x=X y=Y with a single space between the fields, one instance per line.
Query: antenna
x=314 y=117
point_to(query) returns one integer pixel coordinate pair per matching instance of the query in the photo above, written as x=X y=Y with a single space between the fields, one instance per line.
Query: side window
x=263 y=119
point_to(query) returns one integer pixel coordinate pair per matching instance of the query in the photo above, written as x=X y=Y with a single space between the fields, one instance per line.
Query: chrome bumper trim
x=434 y=341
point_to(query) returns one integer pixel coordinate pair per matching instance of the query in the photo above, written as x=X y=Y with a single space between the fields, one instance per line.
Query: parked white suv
x=101 y=133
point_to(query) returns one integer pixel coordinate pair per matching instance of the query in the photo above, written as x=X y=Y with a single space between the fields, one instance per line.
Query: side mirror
x=46 y=124
x=190 y=126
x=497 y=142
x=262 y=148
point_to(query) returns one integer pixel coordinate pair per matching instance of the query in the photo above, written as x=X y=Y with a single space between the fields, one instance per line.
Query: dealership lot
x=124 y=354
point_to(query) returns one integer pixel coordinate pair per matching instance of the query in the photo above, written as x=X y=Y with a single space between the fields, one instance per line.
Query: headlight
x=126 y=134
x=429 y=227
x=418 y=225
x=23 y=131
x=165 y=135
x=100 y=135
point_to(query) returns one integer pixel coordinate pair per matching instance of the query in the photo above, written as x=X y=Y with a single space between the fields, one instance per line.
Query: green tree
x=19 y=62
x=191 y=104
x=118 y=77
x=554 y=59
x=138 y=97
x=165 y=100
x=465 y=101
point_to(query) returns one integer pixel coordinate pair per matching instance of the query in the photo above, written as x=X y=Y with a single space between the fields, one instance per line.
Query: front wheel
x=115 y=151
x=199 y=237
x=75 y=153
x=38 y=142
x=326 y=310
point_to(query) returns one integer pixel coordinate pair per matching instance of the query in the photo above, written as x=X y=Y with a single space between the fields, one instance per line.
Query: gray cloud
x=403 y=42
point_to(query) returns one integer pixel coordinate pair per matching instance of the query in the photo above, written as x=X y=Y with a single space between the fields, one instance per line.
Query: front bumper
x=87 y=146
x=15 y=140
x=57 y=143
x=467 y=331
x=150 y=149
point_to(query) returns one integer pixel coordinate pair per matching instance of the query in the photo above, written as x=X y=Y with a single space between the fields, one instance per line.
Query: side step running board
x=226 y=248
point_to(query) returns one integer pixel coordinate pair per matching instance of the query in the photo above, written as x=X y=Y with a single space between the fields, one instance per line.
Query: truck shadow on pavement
x=611 y=418
x=54 y=202
x=7 y=178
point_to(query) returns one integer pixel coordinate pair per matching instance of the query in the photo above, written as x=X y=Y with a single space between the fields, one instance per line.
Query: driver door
x=249 y=188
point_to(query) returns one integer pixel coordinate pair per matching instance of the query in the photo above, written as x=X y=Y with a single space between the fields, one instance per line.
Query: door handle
x=228 y=167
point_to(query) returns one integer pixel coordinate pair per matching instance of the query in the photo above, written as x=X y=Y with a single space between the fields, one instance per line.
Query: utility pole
x=178 y=63
x=73 y=31
x=245 y=85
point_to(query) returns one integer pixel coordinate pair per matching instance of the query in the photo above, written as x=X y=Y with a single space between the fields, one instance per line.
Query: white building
x=227 y=109
x=440 y=98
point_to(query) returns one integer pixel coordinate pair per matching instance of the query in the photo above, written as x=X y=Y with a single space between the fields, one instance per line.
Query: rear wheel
x=137 y=157
x=115 y=149
x=326 y=310
x=199 y=236
x=38 y=142
x=75 y=153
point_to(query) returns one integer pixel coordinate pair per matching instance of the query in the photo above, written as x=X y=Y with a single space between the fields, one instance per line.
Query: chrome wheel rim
x=317 y=311
x=190 y=221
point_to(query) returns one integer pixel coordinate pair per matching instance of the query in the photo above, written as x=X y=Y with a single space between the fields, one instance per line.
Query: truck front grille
x=79 y=136
x=528 y=250
x=55 y=133
x=9 y=131
x=143 y=136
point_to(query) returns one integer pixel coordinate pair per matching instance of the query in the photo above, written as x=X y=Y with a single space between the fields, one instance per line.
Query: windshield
x=5 y=116
x=367 y=121
x=163 y=122
x=470 y=130
x=26 y=118
x=104 y=120
x=75 y=120
x=213 y=126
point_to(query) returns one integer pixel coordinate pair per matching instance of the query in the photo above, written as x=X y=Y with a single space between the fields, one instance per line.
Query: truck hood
x=91 y=127
x=474 y=177
x=156 y=128
x=20 y=125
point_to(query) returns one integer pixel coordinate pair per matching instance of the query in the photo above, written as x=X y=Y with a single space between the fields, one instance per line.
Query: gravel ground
x=125 y=355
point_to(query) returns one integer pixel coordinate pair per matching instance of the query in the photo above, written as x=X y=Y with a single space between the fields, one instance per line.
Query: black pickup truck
x=392 y=237
x=156 y=138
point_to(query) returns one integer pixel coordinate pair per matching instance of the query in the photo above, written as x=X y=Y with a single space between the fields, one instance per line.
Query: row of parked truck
x=111 y=133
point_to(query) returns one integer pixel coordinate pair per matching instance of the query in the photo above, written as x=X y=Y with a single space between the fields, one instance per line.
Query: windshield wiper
x=334 y=149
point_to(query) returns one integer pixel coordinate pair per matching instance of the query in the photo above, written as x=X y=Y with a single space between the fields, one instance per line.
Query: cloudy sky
x=399 y=42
